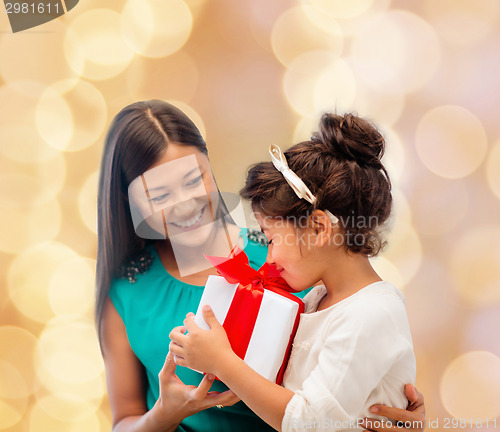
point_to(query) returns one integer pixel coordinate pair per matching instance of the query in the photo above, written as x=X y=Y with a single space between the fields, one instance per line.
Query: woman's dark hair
x=341 y=165
x=138 y=136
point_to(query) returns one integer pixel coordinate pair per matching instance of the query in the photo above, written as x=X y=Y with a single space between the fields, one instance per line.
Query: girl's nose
x=269 y=258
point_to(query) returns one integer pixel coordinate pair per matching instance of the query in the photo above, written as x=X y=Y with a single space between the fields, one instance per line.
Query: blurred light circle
x=192 y=114
x=401 y=210
x=68 y=408
x=156 y=28
x=11 y=412
x=36 y=51
x=70 y=295
x=19 y=139
x=387 y=271
x=29 y=277
x=87 y=201
x=304 y=129
x=68 y=350
x=432 y=304
x=451 y=141
x=27 y=225
x=383 y=108
x=394 y=158
x=335 y=88
x=176 y=76
x=470 y=386
x=475 y=265
x=461 y=21
x=439 y=205
x=94 y=47
x=17 y=347
x=395 y=52
x=404 y=250
x=337 y=8
x=493 y=170
x=13 y=395
x=71 y=118
x=92 y=391
x=293 y=35
x=40 y=420
x=480 y=332
x=301 y=79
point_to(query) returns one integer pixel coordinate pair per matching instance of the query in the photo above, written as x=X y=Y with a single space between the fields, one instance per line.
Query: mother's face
x=176 y=198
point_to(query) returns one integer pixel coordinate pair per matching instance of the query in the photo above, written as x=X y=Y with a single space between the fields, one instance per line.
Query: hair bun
x=352 y=138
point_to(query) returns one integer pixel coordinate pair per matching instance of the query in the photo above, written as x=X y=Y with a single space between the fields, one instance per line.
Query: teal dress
x=156 y=303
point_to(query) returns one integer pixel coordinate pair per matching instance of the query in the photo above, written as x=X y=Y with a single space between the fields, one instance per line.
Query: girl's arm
x=210 y=351
x=126 y=384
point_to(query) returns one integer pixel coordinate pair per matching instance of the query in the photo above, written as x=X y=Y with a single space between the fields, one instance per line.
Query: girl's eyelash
x=269 y=241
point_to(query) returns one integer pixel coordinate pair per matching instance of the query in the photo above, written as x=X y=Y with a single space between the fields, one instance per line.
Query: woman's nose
x=184 y=208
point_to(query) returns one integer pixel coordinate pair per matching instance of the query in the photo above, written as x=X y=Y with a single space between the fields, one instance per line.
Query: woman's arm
x=126 y=384
x=210 y=351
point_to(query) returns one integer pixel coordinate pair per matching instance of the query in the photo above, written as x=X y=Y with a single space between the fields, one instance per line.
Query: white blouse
x=348 y=357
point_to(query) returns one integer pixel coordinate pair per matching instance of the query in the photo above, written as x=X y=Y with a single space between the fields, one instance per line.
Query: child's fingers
x=398 y=414
x=209 y=316
x=177 y=335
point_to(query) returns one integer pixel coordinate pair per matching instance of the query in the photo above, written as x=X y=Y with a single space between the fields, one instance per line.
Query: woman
x=159 y=210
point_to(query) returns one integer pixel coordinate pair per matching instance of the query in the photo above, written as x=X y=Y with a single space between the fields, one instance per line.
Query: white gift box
x=273 y=328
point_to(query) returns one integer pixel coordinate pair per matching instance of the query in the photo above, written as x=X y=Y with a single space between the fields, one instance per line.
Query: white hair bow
x=295 y=182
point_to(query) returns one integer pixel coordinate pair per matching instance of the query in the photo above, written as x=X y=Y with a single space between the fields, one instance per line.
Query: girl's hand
x=412 y=419
x=203 y=350
x=186 y=400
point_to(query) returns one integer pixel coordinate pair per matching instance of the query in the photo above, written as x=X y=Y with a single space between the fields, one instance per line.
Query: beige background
x=257 y=72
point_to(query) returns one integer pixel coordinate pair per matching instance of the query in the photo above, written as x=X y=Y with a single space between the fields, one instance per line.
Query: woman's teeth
x=189 y=222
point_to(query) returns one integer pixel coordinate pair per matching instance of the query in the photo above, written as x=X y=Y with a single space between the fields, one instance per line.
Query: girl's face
x=293 y=254
x=177 y=197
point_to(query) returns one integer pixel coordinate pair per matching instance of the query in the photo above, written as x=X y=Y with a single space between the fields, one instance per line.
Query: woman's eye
x=194 y=181
x=270 y=241
x=160 y=198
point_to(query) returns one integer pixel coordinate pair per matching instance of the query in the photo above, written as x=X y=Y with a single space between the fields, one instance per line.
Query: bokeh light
x=40 y=420
x=94 y=46
x=470 y=386
x=87 y=201
x=19 y=139
x=468 y=23
x=451 y=141
x=156 y=28
x=71 y=117
x=493 y=169
x=293 y=35
x=29 y=278
x=318 y=81
x=439 y=205
x=396 y=51
x=68 y=350
x=70 y=295
x=475 y=265
x=481 y=325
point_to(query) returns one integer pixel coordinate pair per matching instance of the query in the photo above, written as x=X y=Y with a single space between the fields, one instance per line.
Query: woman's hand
x=186 y=400
x=412 y=419
x=203 y=350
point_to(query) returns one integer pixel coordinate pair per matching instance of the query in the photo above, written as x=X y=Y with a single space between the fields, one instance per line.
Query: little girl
x=321 y=205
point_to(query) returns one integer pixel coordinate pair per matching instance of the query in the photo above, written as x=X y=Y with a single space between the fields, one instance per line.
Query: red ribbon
x=242 y=314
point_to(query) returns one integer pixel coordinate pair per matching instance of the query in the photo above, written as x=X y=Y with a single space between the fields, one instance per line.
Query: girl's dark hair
x=138 y=136
x=341 y=165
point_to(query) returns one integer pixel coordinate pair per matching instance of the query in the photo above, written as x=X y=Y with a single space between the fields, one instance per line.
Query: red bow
x=242 y=314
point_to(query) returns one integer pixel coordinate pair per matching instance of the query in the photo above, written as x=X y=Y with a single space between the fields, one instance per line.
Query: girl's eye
x=194 y=181
x=270 y=241
x=160 y=198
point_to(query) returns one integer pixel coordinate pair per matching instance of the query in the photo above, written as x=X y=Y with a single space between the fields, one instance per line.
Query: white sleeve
x=359 y=349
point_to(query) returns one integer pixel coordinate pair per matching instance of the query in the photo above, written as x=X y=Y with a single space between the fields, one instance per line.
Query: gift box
x=257 y=310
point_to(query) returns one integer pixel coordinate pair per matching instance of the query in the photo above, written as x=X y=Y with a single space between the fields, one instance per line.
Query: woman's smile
x=191 y=223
